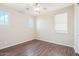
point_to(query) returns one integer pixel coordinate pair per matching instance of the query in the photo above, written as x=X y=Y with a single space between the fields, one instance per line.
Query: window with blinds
x=61 y=23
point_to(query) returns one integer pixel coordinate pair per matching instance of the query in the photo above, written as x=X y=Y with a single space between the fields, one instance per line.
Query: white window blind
x=61 y=23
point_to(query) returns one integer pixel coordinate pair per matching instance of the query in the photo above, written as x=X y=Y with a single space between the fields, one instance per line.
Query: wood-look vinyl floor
x=37 y=48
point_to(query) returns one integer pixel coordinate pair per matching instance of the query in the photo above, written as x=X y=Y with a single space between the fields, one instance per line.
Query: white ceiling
x=49 y=7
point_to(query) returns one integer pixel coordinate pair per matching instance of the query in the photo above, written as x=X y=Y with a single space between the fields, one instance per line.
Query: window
x=3 y=18
x=61 y=23
x=30 y=23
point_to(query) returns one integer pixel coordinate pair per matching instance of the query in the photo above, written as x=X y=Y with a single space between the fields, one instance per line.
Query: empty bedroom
x=39 y=29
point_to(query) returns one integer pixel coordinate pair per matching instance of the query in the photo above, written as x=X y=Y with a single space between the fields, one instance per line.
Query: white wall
x=17 y=31
x=76 y=41
x=46 y=30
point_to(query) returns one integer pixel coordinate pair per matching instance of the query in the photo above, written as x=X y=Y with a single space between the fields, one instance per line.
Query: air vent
x=45 y=8
x=27 y=8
